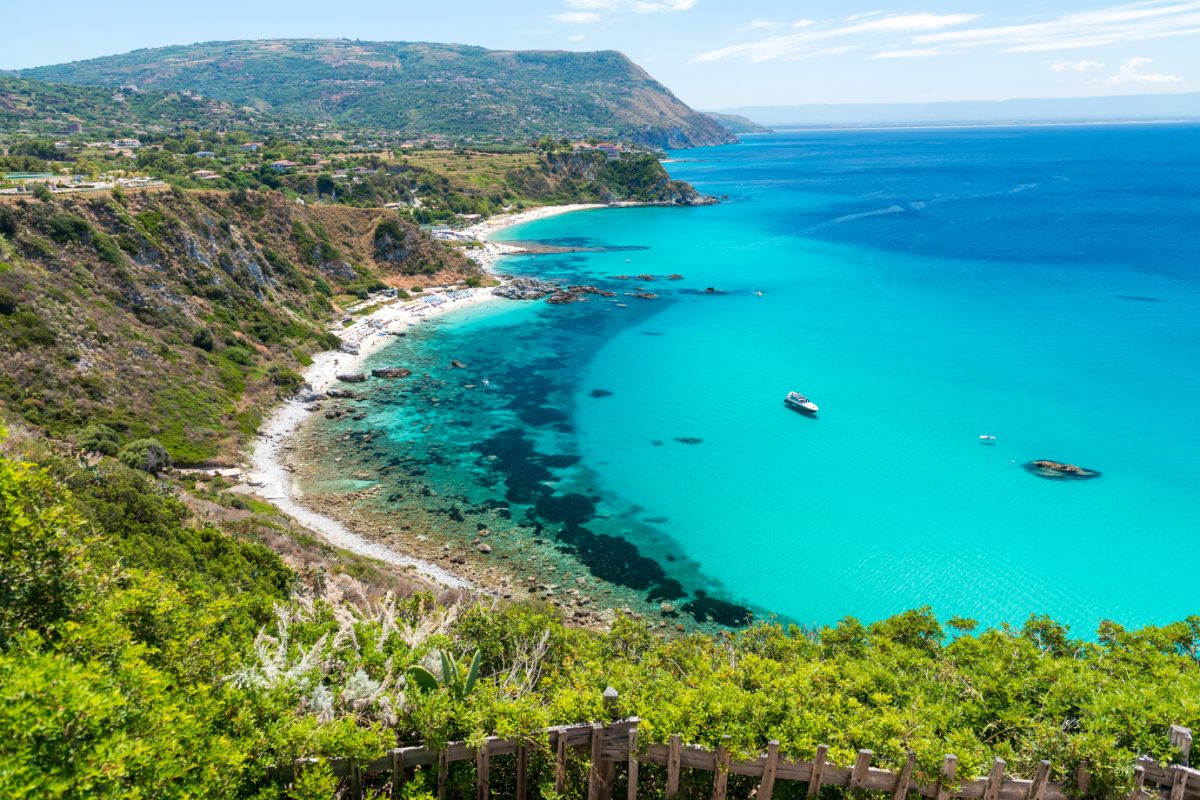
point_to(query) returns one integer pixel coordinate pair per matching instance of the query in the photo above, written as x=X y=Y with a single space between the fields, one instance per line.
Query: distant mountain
x=417 y=88
x=736 y=124
x=38 y=107
x=1071 y=109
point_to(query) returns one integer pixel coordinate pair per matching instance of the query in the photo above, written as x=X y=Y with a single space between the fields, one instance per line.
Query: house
x=205 y=175
x=283 y=165
x=250 y=147
x=204 y=154
x=63 y=145
x=127 y=144
x=610 y=150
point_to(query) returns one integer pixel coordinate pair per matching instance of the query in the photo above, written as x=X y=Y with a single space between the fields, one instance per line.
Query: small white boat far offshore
x=800 y=403
x=987 y=438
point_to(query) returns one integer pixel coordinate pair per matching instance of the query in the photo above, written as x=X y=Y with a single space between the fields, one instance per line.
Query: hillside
x=416 y=88
x=37 y=107
x=182 y=315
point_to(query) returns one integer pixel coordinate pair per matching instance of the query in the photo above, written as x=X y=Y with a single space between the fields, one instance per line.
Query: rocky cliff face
x=178 y=315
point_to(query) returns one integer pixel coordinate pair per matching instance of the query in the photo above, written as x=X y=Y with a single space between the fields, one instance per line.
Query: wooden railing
x=614 y=744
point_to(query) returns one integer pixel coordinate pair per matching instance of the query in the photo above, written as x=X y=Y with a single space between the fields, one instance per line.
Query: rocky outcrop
x=352 y=377
x=525 y=289
x=391 y=372
x=1057 y=470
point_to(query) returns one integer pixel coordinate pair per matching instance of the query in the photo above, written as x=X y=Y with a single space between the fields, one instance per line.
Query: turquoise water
x=924 y=287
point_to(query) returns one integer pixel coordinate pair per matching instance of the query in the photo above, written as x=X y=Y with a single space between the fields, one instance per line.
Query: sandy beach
x=269 y=471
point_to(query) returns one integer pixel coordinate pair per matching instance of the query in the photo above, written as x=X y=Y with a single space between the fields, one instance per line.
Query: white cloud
x=1100 y=27
x=811 y=37
x=803 y=23
x=590 y=11
x=922 y=35
x=579 y=37
x=913 y=53
x=1131 y=72
x=761 y=24
x=1075 y=66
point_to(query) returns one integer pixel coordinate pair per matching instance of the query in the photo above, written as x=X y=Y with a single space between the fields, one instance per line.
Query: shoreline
x=269 y=470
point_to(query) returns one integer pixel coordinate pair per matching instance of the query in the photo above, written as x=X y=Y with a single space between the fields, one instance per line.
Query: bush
x=42 y=577
x=203 y=338
x=147 y=455
x=8 y=301
x=99 y=438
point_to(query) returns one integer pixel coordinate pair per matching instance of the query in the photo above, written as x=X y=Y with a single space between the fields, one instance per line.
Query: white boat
x=800 y=403
x=987 y=438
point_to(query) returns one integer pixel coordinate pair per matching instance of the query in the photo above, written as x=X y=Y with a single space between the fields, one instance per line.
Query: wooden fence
x=614 y=744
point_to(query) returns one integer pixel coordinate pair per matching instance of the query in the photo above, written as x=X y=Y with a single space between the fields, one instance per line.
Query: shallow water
x=924 y=287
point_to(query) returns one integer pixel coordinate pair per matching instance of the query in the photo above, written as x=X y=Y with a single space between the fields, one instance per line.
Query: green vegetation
x=417 y=89
x=180 y=316
x=143 y=653
x=48 y=108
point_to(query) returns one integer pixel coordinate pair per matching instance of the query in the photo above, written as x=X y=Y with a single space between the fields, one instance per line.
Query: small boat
x=987 y=438
x=486 y=383
x=800 y=403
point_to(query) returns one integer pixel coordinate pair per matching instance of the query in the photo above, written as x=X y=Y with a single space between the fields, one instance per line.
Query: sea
x=926 y=288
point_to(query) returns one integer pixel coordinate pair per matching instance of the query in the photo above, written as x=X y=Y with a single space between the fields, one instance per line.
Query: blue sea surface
x=1040 y=284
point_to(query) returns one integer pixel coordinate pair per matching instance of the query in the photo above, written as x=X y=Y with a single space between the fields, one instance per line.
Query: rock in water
x=391 y=372
x=458 y=364
x=1057 y=470
x=352 y=377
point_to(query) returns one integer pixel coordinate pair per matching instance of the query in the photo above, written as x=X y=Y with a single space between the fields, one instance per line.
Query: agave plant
x=454 y=678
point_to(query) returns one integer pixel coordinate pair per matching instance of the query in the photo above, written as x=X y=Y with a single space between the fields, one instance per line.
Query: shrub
x=42 y=577
x=98 y=438
x=147 y=455
x=8 y=301
x=203 y=338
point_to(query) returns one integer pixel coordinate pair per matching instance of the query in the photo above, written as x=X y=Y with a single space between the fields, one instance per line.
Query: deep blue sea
x=1039 y=284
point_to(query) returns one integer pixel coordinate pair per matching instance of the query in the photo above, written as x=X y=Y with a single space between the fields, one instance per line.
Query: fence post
x=1139 y=781
x=522 y=770
x=356 y=788
x=1179 y=778
x=995 y=780
x=1037 y=790
x=905 y=776
x=814 y=783
x=610 y=703
x=1083 y=777
x=949 y=767
x=443 y=773
x=397 y=772
x=560 y=764
x=673 y=766
x=1181 y=738
x=767 y=785
x=861 y=765
x=721 y=776
x=632 y=781
x=594 y=778
x=482 y=779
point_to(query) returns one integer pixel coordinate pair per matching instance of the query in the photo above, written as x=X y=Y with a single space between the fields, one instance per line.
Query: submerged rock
x=1057 y=470
x=391 y=372
x=601 y=393
x=689 y=440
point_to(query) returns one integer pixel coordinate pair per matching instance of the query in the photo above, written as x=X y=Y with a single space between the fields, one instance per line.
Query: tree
x=99 y=438
x=147 y=455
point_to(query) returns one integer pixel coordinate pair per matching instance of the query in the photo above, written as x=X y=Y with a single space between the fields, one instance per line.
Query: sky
x=713 y=54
